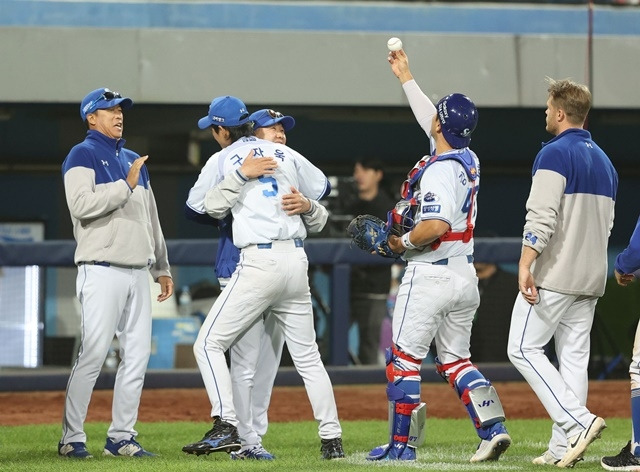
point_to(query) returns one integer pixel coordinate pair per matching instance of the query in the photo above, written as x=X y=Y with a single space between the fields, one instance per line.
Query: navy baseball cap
x=225 y=111
x=100 y=99
x=458 y=117
x=267 y=117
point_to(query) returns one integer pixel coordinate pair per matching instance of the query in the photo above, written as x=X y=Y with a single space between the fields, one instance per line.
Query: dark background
x=35 y=139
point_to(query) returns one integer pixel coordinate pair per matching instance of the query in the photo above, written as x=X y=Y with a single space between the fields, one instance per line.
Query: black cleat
x=223 y=437
x=623 y=461
x=332 y=448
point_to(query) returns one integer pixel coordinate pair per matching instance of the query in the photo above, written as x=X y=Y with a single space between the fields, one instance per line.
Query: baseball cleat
x=125 y=448
x=332 y=448
x=223 y=437
x=545 y=459
x=253 y=452
x=625 y=460
x=74 y=450
x=577 y=444
x=492 y=449
x=396 y=453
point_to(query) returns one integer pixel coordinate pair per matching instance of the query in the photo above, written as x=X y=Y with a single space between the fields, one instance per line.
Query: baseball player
x=438 y=295
x=271 y=276
x=627 y=269
x=563 y=270
x=255 y=356
x=116 y=225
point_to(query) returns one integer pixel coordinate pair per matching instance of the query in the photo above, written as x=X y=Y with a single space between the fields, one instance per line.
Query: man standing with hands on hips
x=119 y=241
x=563 y=270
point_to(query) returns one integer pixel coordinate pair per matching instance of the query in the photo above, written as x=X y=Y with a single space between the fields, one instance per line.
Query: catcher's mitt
x=370 y=233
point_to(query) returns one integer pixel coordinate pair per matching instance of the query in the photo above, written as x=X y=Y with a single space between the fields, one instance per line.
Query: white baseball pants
x=115 y=301
x=436 y=302
x=255 y=358
x=562 y=391
x=273 y=279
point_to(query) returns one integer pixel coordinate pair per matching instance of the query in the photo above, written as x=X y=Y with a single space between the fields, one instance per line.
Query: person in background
x=116 y=225
x=490 y=329
x=370 y=284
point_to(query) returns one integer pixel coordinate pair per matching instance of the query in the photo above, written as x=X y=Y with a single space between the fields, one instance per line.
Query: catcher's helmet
x=458 y=116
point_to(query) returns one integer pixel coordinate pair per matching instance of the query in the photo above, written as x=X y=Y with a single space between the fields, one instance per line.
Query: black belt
x=298 y=242
x=109 y=264
x=446 y=261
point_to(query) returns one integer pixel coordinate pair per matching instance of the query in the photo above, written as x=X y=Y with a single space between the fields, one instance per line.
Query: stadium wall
x=312 y=53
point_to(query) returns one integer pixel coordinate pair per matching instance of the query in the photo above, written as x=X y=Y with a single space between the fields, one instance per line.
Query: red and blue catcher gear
x=403 y=391
x=477 y=395
x=403 y=216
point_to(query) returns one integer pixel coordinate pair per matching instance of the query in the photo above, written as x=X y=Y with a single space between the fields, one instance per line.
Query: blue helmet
x=458 y=117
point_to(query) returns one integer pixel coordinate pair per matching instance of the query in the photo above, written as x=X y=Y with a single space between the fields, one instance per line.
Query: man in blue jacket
x=116 y=225
x=563 y=270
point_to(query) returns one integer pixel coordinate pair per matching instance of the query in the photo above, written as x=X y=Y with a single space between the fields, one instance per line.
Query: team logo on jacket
x=531 y=238
x=430 y=209
x=430 y=197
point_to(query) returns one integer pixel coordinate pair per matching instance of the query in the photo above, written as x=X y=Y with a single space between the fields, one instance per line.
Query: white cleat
x=545 y=459
x=491 y=450
x=577 y=444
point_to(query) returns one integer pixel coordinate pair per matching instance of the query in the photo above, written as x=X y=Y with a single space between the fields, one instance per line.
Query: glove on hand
x=370 y=233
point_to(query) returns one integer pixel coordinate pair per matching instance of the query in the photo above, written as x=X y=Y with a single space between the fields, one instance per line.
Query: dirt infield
x=606 y=398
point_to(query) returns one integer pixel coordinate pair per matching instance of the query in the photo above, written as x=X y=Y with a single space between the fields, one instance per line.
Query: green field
x=449 y=445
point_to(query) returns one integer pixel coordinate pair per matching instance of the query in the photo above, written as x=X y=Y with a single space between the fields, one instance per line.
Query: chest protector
x=403 y=214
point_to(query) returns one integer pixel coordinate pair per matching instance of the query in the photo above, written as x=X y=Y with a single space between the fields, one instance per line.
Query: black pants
x=368 y=310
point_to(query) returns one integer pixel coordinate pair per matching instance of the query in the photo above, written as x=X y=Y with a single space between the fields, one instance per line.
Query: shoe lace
x=135 y=443
x=256 y=451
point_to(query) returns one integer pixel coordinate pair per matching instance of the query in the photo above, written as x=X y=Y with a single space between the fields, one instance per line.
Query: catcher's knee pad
x=451 y=371
x=400 y=364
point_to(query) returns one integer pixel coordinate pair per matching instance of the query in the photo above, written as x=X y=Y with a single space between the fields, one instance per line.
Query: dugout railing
x=335 y=253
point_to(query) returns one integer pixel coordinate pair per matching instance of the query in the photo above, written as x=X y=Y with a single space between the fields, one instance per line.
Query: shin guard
x=403 y=392
x=477 y=394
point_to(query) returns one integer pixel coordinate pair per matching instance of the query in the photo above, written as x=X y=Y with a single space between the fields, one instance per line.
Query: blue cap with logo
x=267 y=117
x=225 y=111
x=100 y=99
x=458 y=117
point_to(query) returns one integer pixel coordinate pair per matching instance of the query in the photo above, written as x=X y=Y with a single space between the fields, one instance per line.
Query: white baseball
x=394 y=44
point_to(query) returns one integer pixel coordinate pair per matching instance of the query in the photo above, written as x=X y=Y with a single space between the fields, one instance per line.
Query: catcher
x=438 y=296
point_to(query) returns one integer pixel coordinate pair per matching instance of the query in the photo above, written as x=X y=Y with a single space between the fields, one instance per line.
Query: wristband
x=406 y=242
